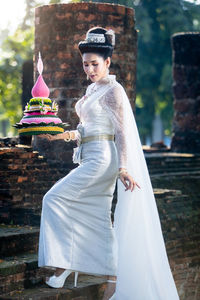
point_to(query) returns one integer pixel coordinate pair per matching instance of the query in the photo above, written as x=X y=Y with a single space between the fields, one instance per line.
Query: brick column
x=186 y=87
x=58 y=30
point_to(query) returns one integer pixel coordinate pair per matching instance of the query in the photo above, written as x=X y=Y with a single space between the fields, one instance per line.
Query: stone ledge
x=17 y=239
x=89 y=288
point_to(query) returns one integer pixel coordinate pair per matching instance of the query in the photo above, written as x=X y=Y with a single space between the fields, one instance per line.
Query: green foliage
x=29 y=16
x=55 y=1
x=16 y=49
x=156 y=21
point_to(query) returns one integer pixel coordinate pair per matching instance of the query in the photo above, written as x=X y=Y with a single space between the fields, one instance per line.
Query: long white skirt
x=76 y=231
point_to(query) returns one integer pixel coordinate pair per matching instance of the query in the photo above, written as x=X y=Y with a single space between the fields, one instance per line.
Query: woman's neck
x=108 y=78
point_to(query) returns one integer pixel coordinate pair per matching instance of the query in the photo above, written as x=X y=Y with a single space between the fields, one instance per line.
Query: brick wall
x=179 y=214
x=25 y=177
x=58 y=30
x=186 y=87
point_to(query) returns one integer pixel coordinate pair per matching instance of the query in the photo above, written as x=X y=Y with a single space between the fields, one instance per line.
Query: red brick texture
x=186 y=87
x=25 y=176
x=58 y=30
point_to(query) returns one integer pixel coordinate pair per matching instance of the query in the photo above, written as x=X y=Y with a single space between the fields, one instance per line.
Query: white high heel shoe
x=113 y=296
x=58 y=281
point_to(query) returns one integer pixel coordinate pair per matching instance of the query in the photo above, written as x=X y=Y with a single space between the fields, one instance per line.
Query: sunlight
x=193 y=1
x=12 y=13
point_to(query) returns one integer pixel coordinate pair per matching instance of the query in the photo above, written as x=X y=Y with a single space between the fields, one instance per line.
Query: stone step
x=181 y=217
x=9 y=151
x=27 y=187
x=172 y=156
x=35 y=159
x=165 y=159
x=20 y=271
x=18 y=239
x=14 y=271
x=163 y=193
x=89 y=288
x=17 y=163
x=25 y=183
x=37 y=163
x=13 y=166
x=165 y=154
x=32 y=175
x=34 y=166
x=173 y=165
x=20 y=278
x=175 y=171
x=20 y=216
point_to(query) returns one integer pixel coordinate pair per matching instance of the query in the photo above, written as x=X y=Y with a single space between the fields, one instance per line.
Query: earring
x=87 y=77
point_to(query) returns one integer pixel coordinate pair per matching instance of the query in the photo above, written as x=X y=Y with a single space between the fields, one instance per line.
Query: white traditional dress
x=76 y=231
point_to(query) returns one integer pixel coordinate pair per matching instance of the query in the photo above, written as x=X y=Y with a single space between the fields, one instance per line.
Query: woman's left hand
x=128 y=181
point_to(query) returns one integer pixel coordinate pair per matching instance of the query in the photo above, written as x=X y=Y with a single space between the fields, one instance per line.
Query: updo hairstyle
x=98 y=40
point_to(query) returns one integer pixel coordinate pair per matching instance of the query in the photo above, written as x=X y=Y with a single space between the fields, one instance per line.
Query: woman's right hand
x=49 y=137
x=128 y=180
x=59 y=136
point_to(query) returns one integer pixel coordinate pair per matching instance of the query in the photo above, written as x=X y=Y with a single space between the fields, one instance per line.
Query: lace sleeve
x=112 y=102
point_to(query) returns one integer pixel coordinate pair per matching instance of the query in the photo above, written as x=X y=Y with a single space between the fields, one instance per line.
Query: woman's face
x=95 y=66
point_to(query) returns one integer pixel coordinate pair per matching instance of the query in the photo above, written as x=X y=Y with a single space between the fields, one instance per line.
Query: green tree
x=55 y=1
x=156 y=21
x=16 y=50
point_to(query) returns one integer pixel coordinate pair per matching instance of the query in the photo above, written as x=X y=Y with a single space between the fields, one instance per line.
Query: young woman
x=76 y=233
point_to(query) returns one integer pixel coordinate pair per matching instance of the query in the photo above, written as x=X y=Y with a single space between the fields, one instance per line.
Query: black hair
x=103 y=49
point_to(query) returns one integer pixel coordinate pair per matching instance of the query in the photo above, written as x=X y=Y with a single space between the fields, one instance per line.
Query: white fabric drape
x=143 y=271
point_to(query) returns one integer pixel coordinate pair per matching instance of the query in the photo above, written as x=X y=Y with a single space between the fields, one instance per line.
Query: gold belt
x=99 y=137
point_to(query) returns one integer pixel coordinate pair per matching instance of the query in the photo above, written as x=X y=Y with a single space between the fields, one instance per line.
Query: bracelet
x=69 y=139
x=73 y=132
x=121 y=172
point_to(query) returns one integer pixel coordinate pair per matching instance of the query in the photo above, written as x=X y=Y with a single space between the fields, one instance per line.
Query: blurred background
x=156 y=21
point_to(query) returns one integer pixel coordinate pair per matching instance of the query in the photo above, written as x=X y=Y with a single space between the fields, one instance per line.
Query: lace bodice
x=101 y=112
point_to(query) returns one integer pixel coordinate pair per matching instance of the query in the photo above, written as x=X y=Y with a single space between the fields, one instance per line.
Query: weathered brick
x=186 y=58
x=63 y=16
x=78 y=6
x=121 y=9
x=64 y=55
x=21 y=179
x=107 y=8
x=62 y=61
